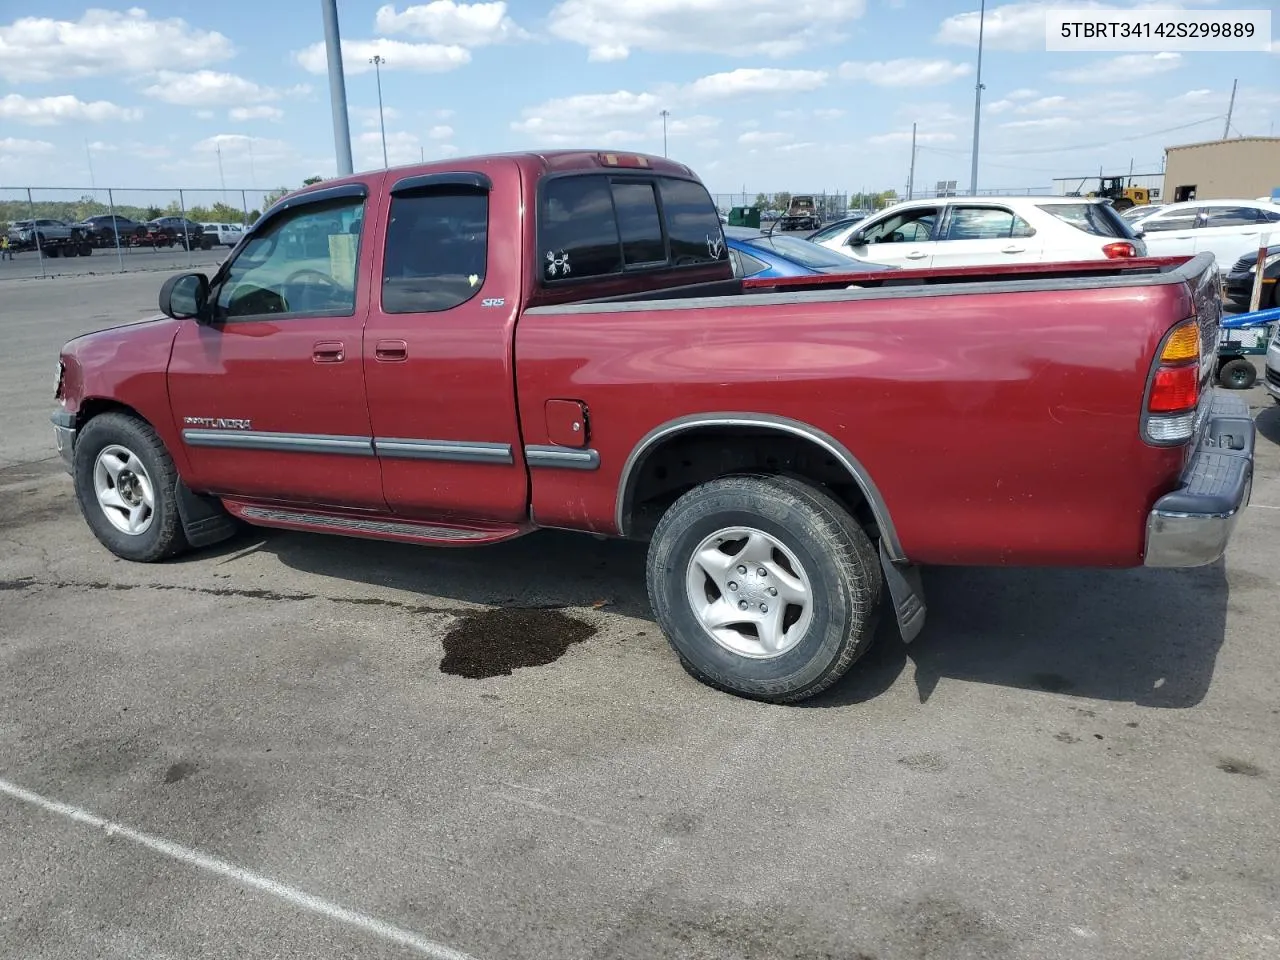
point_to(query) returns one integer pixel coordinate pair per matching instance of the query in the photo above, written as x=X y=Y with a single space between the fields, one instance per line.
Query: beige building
x=1243 y=168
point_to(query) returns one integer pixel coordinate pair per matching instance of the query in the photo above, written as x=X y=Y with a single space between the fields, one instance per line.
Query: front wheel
x=126 y=484
x=764 y=586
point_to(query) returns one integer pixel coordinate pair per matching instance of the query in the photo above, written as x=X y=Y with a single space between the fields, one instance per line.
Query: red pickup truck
x=458 y=353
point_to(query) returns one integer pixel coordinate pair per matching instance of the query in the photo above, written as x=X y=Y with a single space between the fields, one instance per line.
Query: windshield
x=803 y=252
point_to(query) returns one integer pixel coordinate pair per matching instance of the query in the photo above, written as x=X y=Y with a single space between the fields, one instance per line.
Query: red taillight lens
x=1119 y=250
x=1175 y=389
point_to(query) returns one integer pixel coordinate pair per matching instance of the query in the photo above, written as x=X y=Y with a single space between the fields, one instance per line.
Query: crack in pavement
x=29 y=583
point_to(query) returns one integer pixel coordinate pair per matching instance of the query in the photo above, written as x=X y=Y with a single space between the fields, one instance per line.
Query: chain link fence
x=117 y=226
x=831 y=206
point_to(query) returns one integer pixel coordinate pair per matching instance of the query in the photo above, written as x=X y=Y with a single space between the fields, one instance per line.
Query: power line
x=1105 y=143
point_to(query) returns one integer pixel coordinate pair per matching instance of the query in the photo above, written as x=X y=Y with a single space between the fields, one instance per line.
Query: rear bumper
x=1191 y=526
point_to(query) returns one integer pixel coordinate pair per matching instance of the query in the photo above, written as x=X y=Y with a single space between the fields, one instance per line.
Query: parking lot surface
x=297 y=746
x=28 y=264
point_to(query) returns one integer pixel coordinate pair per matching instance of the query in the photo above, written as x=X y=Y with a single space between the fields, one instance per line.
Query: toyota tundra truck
x=459 y=353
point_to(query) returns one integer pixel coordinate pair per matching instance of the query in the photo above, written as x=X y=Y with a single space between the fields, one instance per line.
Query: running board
x=375 y=528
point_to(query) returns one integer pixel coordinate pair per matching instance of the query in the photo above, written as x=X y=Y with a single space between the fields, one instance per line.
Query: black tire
x=50 y=252
x=1122 y=203
x=206 y=243
x=163 y=537
x=86 y=249
x=71 y=250
x=839 y=560
x=1238 y=374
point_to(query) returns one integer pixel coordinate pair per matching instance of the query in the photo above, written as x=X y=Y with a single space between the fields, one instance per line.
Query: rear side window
x=436 y=251
x=1230 y=216
x=597 y=225
x=1177 y=220
x=1099 y=219
x=986 y=223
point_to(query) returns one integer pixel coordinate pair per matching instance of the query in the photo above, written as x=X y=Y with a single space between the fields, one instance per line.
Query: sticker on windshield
x=557 y=264
x=715 y=246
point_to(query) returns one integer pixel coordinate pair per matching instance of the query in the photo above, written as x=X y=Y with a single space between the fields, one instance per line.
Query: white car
x=963 y=231
x=225 y=234
x=1228 y=229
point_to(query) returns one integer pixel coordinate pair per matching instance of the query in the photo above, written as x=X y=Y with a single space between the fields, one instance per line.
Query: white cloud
x=1042 y=123
x=206 y=88
x=758 y=28
x=585 y=115
x=444 y=21
x=1013 y=26
x=262 y=147
x=1023 y=93
x=762 y=138
x=402 y=147
x=48 y=111
x=102 y=146
x=368 y=116
x=792 y=147
x=440 y=132
x=831 y=113
x=1132 y=66
x=24 y=148
x=204 y=114
x=444 y=114
x=906 y=72
x=260 y=112
x=751 y=80
x=416 y=57
x=103 y=42
x=904 y=136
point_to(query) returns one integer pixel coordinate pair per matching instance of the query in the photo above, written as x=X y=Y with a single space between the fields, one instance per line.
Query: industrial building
x=1246 y=167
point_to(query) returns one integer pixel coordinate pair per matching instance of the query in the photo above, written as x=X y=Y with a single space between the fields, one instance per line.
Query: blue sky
x=763 y=94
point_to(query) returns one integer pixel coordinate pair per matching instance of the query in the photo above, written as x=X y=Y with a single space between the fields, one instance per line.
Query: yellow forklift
x=1113 y=188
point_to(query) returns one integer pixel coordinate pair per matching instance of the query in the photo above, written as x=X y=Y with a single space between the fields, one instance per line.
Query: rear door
x=438 y=346
x=983 y=233
x=905 y=238
x=1171 y=233
x=270 y=394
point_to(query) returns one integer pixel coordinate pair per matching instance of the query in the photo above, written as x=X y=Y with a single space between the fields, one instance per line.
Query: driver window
x=302 y=263
x=909 y=226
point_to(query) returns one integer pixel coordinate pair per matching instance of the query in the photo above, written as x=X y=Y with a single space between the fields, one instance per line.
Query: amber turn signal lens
x=1183 y=344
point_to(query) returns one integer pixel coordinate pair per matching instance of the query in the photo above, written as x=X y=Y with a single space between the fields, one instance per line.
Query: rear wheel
x=764 y=586
x=1238 y=374
x=1122 y=203
x=126 y=484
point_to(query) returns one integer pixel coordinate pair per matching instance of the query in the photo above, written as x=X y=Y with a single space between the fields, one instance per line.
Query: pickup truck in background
x=458 y=353
x=801 y=214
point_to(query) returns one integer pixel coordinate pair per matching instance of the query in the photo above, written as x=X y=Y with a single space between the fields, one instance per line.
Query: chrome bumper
x=64 y=438
x=1191 y=526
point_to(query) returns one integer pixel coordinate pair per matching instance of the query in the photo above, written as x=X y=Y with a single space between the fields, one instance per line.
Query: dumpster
x=745 y=217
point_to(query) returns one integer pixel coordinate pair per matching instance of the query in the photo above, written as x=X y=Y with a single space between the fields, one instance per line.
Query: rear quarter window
x=1099 y=219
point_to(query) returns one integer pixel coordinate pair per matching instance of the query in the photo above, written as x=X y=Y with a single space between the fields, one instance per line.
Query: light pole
x=977 y=102
x=377 y=62
x=337 y=88
x=664 y=114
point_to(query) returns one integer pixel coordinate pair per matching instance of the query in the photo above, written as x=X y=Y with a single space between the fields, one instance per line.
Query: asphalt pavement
x=29 y=264
x=297 y=746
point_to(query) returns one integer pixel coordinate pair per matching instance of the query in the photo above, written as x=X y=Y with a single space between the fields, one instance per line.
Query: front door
x=269 y=394
x=986 y=234
x=897 y=239
x=438 y=354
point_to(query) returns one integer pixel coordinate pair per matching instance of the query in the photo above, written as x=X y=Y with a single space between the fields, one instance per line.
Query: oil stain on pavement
x=493 y=643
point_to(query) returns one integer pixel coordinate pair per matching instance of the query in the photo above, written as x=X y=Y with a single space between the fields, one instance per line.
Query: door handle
x=1013 y=249
x=916 y=255
x=391 y=351
x=328 y=351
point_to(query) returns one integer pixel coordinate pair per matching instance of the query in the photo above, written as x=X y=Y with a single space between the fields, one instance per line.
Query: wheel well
x=92 y=407
x=701 y=454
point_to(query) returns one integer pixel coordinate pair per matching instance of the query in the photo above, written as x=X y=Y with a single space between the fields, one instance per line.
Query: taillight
x=1173 y=393
x=1119 y=250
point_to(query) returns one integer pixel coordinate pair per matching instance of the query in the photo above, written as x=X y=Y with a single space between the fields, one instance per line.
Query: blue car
x=758 y=254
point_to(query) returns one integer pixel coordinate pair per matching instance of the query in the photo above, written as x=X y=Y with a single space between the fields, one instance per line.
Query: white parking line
x=230 y=871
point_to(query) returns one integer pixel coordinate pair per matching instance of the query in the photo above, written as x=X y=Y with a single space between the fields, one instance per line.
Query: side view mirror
x=857 y=238
x=185 y=296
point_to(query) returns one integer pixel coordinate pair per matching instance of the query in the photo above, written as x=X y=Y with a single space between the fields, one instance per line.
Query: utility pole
x=221 y=178
x=88 y=152
x=337 y=88
x=1226 y=131
x=664 y=114
x=377 y=62
x=977 y=102
x=911 y=177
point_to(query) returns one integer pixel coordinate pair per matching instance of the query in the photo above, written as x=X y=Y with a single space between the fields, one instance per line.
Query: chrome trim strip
x=279 y=442
x=364 y=526
x=565 y=458
x=767 y=421
x=458 y=451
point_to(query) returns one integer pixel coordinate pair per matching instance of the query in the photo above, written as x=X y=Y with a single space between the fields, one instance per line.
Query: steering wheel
x=324 y=278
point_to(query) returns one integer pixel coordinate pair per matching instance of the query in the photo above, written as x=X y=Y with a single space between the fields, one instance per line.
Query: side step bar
x=374 y=527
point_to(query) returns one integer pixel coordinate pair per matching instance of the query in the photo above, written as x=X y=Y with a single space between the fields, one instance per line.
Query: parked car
x=960 y=231
x=1239 y=281
x=180 y=230
x=1137 y=213
x=1229 y=229
x=104 y=230
x=1271 y=371
x=224 y=234
x=758 y=254
x=52 y=238
x=558 y=340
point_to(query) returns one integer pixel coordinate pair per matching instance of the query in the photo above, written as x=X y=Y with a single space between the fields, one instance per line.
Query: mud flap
x=907 y=594
x=204 y=520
